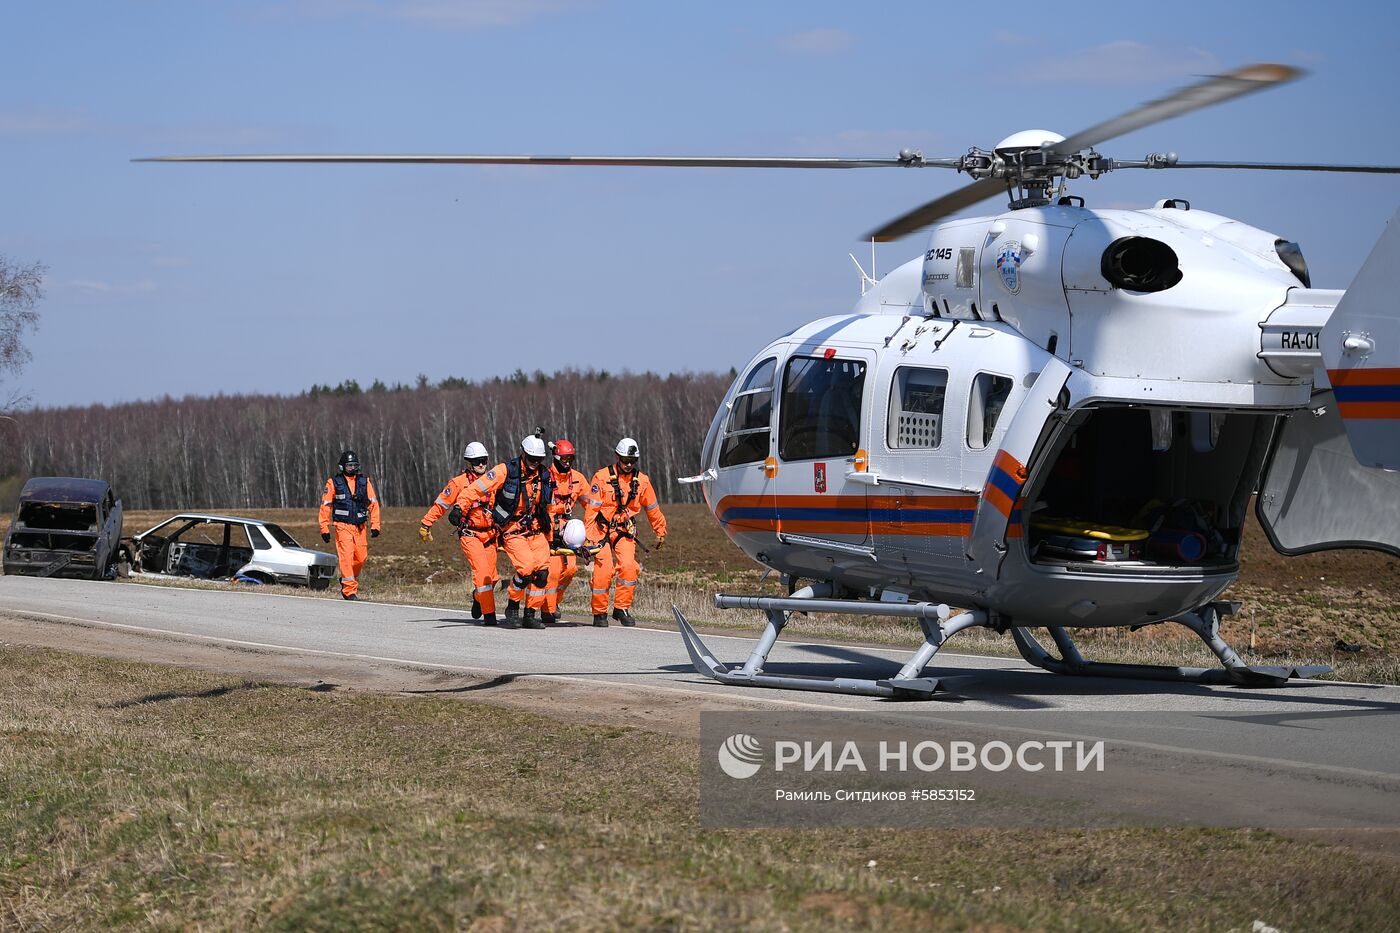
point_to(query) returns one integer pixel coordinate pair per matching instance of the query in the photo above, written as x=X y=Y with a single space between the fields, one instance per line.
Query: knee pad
x=518 y=582
x=540 y=577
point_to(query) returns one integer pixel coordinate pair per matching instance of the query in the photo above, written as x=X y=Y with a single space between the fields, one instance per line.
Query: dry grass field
x=1340 y=608
x=140 y=796
x=145 y=797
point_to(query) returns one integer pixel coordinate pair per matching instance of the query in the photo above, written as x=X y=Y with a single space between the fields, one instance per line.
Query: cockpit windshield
x=820 y=415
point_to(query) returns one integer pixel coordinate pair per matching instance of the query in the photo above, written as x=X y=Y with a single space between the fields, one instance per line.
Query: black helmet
x=348 y=460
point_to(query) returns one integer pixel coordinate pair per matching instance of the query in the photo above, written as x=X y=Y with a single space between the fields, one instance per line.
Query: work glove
x=660 y=542
x=326 y=537
x=374 y=532
x=424 y=534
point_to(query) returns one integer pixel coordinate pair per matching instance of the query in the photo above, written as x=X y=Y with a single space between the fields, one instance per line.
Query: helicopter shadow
x=1017 y=688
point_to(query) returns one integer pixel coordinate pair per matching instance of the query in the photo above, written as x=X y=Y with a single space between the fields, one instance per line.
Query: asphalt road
x=1314 y=754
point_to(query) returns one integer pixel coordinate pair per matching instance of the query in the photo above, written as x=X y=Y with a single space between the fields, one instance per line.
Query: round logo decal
x=1009 y=261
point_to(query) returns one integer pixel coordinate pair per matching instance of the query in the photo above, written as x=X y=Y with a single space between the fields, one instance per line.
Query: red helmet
x=563 y=448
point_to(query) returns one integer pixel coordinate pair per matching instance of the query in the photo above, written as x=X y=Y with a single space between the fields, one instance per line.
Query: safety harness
x=564 y=496
x=352 y=508
x=622 y=504
x=513 y=498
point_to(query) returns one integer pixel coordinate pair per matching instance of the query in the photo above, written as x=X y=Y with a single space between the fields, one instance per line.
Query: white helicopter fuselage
x=998 y=425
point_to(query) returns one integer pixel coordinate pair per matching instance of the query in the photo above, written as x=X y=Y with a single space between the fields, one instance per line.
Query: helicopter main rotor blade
x=1212 y=90
x=658 y=161
x=950 y=203
x=1270 y=166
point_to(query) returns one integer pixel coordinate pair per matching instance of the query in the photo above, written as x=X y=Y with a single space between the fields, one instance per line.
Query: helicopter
x=1056 y=417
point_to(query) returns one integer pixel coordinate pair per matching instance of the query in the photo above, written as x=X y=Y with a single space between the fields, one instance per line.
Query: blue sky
x=197 y=279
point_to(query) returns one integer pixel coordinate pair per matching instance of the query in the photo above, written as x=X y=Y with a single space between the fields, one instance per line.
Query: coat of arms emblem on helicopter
x=1009 y=261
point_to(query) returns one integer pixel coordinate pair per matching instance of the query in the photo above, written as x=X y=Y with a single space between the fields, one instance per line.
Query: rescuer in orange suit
x=610 y=509
x=517 y=493
x=569 y=486
x=352 y=504
x=476 y=533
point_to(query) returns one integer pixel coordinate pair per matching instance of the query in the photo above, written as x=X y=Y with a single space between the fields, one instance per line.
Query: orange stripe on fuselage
x=919 y=502
x=1011 y=465
x=1364 y=377
x=999 y=500
x=1366 y=410
x=923 y=529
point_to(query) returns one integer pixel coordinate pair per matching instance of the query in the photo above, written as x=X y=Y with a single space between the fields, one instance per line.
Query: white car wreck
x=213 y=547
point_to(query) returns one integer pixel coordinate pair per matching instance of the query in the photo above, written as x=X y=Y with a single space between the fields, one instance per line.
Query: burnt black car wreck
x=64 y=527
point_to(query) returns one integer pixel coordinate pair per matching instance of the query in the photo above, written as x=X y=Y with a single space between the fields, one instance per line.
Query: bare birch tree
x=21 y=287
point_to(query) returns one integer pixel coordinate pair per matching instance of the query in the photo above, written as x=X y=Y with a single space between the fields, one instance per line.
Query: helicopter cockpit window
x=750 y=414
x=821 y=408
x=988 y=395
x=916 y=408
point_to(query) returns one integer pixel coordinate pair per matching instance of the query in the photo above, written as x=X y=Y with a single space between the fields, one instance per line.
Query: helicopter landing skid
x=906 y=685
x=1205 y=622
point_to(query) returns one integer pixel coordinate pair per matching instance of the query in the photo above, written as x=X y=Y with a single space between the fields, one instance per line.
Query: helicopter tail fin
x=1361 y=350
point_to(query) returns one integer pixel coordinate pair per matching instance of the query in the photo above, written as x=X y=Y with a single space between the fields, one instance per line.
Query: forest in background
x=264 y=451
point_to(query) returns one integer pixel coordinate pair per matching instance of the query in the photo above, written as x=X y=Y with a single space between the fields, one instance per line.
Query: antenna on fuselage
x=867 y=282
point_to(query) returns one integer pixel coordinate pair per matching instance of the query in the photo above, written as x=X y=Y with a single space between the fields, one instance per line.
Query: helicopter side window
x=985 y=402
x=820 y=416
x=750 y=414
x=916 y=408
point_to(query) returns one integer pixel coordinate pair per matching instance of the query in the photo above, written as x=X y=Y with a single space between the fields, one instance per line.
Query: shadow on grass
x=209 y=694
x=320 y=686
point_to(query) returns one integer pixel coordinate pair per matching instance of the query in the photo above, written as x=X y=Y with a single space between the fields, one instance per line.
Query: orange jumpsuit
x=568 y=489
x=351 y=540
x=524 y=542
x=476 y=536
x=610 y=509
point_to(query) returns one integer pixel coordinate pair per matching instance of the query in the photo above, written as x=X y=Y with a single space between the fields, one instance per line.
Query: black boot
x=512 y=619
x=600 y=619
x=549 y=618
x=531 y=621
x=476 y=608
x=488 y=619
x=625 y=617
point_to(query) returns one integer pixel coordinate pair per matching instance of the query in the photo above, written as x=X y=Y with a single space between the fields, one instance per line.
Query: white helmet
x=627 y=447
x=574 y=533
x=475 y=451
x=532 y=446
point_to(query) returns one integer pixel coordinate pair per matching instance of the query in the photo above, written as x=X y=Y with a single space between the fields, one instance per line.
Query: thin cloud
x=459 y=15
x=817 y=42
x=1014 y=39
x=37 y=124
x=1123 y=62
x=22 y=124
x=96 y=287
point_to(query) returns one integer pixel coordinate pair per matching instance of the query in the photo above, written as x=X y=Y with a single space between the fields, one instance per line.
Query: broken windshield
x=57 y=516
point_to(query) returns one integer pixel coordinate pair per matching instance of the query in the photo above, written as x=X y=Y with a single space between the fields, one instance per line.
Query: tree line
x=263 y=451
